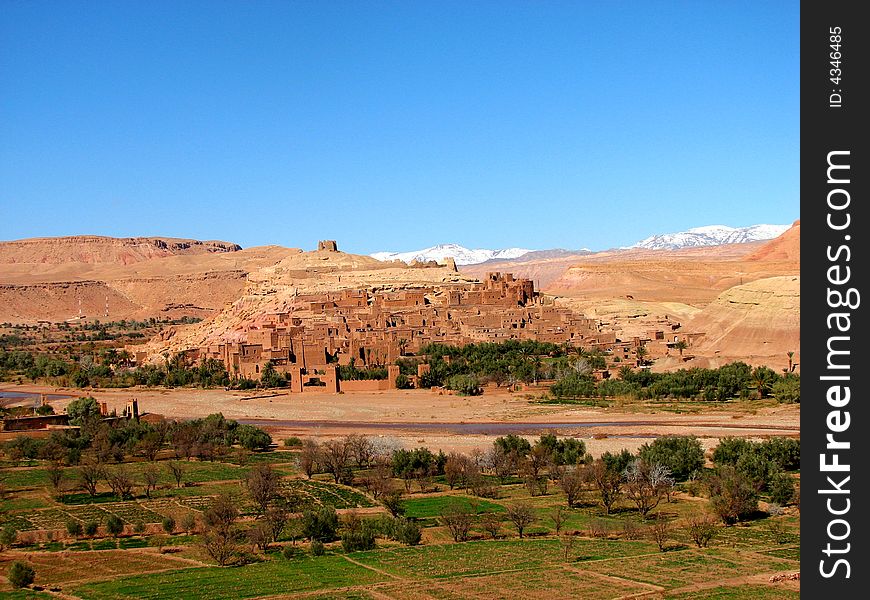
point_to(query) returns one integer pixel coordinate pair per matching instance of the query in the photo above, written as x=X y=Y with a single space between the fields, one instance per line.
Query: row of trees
x=101 y=441
x=735 y=380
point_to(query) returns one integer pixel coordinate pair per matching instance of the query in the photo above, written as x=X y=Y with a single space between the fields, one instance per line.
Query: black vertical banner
x=835 y=421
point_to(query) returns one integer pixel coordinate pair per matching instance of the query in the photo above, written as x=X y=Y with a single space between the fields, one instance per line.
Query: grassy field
x=605 y=557
x=431 y=507
x=594 y=569
x=220 y=583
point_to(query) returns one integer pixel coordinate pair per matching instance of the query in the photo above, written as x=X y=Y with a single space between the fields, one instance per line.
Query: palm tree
x=762 y=378
x=641 y=353
x=681 y=345
x=791 y=364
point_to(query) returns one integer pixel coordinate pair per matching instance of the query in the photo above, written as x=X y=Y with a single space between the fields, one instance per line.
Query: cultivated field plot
x=431 y=507
x=742 y=592
x=538 y=583
x=216 y=583
x=487 y=557
x=680 y=568
x=24 y=595
x=321 y=493
x=61 y=568
x=57 y=518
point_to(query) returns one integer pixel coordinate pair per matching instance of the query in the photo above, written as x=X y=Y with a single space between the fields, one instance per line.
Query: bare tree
x=522 y=515
x=491 y=523
x=90 y=474
x=500 y=463
x=567 y=541
x=557 y=515
x=702 y=528
x=335 y=457
x=644 y=485
x=533 y=469
x=55 y=476
x=176 y=469
x=455 y=469
x=151 y=475
x=276 y=519
x=571 y=483
x=608 y=483
x=220 y=538
x=120 y=481
x=458 y=519
x=660 y=531
x=262 y=483
x=362 y=449
x=259 y=536
x=308 y=457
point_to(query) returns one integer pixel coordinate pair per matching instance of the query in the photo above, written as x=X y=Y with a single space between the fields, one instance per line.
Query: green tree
x=21 y=574
x=320 y=525
x=682 y=455
x=253 y=438
x=83 y=410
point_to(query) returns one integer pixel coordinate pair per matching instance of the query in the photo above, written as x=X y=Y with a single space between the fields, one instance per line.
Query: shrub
x=114 y=526
x=756 y=467
x=732 y=495
x=408 y=532
x=320 y=525
x=574 y=386
x=292 y=442
x=403 y=382
x=91 y=528
x=290 y=552
x=781 y=488
x=8 y=536
x=168 y=525
x=361 y=539
x=253 y=438
x=21 y=574
x=317 y=548
x=188 y=522
x=465 y=385
x=787 y=390
x=139 y=527
x=74 y=528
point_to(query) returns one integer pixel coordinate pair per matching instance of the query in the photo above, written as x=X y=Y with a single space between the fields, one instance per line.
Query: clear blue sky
x=397 y=125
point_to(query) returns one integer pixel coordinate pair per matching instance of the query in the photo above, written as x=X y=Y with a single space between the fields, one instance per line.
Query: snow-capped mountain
x=711 y=235
x=462 y=255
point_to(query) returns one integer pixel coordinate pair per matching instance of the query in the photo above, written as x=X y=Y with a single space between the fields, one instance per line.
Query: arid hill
x=785 y=248
x=94 y=249
x=758 y=322
x=54 y=278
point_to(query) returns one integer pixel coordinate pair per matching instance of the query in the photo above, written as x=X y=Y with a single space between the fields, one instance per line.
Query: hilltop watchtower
x=328 y=245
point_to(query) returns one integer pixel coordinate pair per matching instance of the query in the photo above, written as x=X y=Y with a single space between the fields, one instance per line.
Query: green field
x=226 y=583
x=431 y=507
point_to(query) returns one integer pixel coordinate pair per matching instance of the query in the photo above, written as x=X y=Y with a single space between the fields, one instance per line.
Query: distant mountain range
x=462 y=255
x=711 y=235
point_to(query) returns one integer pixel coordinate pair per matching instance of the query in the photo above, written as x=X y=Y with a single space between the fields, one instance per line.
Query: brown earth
x=441 y=420
x=52 y=278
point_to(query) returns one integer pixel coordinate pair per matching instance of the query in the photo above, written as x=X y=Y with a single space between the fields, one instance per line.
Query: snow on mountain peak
x=461 y=254
x=711 y=235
